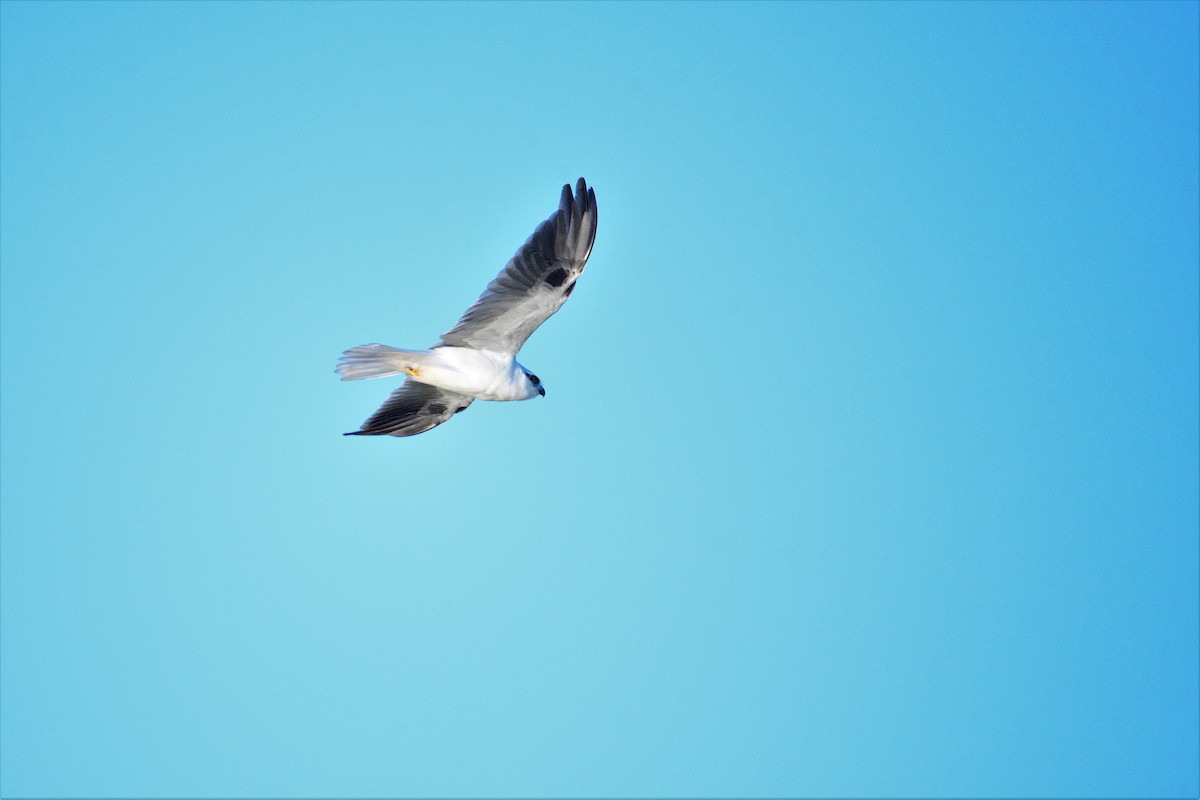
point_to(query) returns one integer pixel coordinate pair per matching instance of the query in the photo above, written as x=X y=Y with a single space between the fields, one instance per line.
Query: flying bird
x=477 y=358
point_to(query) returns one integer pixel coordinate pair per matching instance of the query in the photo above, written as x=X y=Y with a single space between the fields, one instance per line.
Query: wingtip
x=577 y=193
x=585 y=197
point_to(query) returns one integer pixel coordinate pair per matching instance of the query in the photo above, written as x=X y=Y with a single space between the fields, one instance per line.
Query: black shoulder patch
x=556 y=276
x=570 y=288
x=436 y=408
x=460 y=408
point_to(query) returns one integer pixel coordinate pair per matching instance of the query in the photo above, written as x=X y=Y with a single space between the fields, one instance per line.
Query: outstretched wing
x=413 y=408
x=535 y=282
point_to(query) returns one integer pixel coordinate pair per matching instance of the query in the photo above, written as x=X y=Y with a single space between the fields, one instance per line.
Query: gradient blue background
x=868 y=464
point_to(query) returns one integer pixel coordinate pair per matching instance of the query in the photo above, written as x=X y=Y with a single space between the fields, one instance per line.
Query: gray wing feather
x=413 y=408
x=535 y=282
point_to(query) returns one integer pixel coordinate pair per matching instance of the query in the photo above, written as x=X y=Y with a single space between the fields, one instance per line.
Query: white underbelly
x=478 y=373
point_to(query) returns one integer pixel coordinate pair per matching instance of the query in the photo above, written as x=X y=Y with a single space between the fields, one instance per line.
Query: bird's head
x=536 y=383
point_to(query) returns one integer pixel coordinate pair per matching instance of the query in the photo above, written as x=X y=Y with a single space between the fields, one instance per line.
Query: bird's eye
x=534 y=379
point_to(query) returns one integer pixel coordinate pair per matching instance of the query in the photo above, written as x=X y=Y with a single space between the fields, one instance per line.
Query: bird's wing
x=535 y=282
x=413 y=408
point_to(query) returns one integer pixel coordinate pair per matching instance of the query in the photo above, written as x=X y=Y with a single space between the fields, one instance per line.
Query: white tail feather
x=375 y=361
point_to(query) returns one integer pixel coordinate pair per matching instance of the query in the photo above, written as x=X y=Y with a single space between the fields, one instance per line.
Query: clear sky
x=868 y=463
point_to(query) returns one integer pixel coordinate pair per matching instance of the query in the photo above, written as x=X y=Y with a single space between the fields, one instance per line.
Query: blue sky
x=869 y=458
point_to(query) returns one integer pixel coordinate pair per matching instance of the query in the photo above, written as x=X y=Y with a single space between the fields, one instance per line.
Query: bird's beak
x=542 y=391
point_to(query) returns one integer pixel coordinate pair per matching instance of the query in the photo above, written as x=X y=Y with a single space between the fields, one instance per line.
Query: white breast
x=479 y=373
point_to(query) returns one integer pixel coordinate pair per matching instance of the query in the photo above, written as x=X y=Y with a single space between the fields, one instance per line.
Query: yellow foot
x=416 y=373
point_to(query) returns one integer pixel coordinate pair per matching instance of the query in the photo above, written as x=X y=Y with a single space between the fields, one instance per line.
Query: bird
x=476 y=359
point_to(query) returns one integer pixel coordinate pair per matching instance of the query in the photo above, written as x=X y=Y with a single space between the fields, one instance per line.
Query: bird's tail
x=377 y=361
